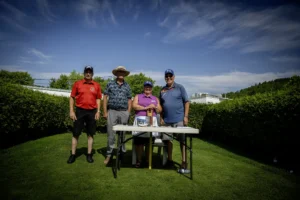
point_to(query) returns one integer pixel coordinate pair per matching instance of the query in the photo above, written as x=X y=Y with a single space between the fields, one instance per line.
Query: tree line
x=135 y=81
x=265 y=87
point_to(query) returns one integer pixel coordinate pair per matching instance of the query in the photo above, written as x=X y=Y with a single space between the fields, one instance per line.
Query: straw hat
x=120 y=69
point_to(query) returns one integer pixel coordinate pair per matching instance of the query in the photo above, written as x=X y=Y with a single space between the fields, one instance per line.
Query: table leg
x=150 y=151
x=191 y=158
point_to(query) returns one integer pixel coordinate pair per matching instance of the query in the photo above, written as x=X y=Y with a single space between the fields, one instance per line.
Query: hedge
x=27 y=114
x=265 y=124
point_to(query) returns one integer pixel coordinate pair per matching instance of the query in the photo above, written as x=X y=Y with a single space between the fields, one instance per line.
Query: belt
x=119 y=109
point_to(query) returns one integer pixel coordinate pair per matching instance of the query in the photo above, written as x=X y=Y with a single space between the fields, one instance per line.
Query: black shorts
x=87 y=118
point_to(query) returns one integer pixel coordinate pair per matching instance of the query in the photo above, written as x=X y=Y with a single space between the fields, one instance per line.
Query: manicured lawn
x=38 y=170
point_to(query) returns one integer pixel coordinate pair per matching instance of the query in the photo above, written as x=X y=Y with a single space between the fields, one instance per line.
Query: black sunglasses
x=170 y=76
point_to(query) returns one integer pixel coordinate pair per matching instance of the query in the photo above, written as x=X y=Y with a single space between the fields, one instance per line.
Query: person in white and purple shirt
x=141 y=104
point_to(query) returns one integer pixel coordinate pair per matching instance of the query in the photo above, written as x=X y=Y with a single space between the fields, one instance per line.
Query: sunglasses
x=168 y=76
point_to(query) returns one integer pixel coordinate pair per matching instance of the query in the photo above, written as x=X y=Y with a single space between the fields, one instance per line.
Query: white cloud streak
x=39 y=54
x=288 y=59
x=96 y=12
x=16 y=18
x=148 y=34
x=44 y=9
x=136 y=16
x=227 y=26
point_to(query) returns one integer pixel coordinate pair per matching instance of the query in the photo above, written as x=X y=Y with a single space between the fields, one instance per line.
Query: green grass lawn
x=38 y=170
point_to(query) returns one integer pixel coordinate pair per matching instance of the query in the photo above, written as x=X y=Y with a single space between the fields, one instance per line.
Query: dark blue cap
x=169 y=71
x=88 y=67
x=148 y=83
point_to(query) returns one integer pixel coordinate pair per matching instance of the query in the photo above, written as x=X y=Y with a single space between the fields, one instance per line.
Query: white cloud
x=226 y=42
x=15 y=18
x=183 y=23
x=285 y=59
x=11 y=68
x=136 y=16
x=156 y=4
x=47 y=75
x=35 y=57
x=16 y=12
x=218 y=84
x=44 y=9
x=226 y=26
x=39 y=54
x=93 y=11
x=148 y=34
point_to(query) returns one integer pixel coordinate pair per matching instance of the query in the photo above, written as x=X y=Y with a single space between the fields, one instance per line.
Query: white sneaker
x=157 y=141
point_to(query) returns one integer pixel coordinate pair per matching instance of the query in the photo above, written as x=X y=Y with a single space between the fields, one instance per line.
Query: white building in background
x=53 y=91
x=206 y=98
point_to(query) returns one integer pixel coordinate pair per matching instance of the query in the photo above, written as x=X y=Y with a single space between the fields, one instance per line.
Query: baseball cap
x=169 y=71
x=148 y=83
x=88 y=67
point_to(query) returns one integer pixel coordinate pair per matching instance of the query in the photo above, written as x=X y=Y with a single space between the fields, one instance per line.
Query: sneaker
x=158 y=141
x=89 y=158
x=184 y=171
x=71 y=159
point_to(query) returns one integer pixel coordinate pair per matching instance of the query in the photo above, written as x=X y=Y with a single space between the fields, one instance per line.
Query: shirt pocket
x=176 y=94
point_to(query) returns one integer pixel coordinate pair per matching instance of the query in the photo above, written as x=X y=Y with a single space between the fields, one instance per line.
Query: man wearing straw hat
x=116 y=105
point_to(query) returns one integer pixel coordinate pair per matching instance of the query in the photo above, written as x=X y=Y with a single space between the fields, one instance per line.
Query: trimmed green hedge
x=27 y=114
x=266 y=124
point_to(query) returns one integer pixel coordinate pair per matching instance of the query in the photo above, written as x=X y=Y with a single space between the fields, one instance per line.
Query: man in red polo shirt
x=87 y=94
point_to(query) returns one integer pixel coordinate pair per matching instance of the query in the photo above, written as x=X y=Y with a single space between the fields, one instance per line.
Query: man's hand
x=105 y=115
x=97 y=116
x=72 y=115
x=162 y=122
x=185 y=121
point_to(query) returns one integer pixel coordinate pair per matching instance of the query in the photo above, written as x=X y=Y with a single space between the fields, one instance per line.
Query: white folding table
x=162 y=129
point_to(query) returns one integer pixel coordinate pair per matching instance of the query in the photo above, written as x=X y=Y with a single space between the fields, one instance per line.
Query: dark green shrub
x=22 y=78
x=265 y=124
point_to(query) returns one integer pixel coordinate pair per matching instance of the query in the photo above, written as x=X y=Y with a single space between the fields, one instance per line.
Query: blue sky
x=213 y=46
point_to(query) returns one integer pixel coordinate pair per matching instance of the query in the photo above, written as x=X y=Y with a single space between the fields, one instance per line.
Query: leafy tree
x=101 y=81
x=74 y=76
x=22 y=78
x=265 y=87
x=136 y=82
x=62 y=82
x=156 y=90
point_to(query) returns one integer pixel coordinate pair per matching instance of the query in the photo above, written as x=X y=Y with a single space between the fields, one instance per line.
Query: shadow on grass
x=126 y=161
x=257 y=155
x=83 y=151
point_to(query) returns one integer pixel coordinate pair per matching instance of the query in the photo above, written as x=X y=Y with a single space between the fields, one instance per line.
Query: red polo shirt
x=86 y=94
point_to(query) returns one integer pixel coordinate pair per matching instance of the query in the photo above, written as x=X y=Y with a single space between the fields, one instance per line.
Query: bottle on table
x=150 y=115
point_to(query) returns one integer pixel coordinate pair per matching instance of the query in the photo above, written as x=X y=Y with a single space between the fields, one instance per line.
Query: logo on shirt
x=92 y=89
x=163 y=92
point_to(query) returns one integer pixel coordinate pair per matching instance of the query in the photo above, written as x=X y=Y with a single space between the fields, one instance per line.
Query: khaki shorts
x=178 y=136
